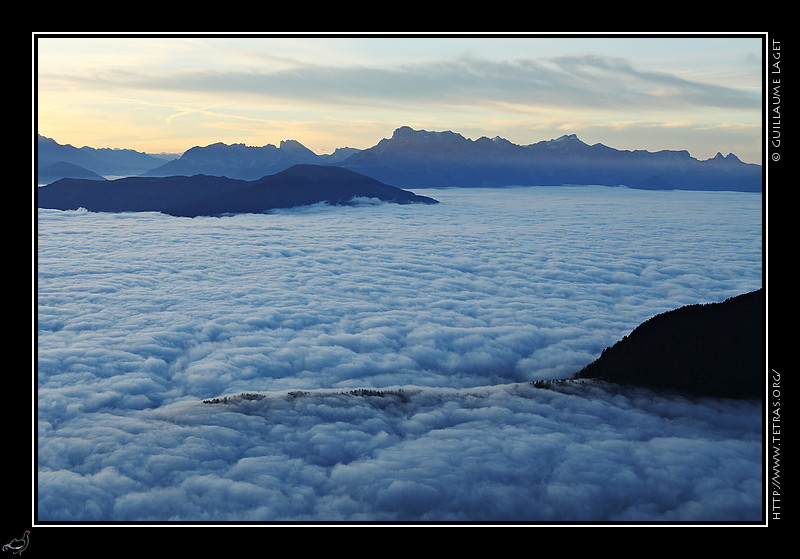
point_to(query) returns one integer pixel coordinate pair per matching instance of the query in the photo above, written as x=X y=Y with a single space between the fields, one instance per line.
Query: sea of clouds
x=446 y=312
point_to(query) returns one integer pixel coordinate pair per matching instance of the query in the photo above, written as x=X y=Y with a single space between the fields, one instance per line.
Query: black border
x=61 y=537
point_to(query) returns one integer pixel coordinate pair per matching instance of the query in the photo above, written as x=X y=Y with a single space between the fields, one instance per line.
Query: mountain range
x=419 y=159
x=424 y=159
x=98 y=162
x=714 y=349
x=205 y=195
x=245 y=162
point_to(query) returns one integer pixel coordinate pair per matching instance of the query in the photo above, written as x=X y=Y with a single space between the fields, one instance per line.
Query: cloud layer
x=142 y=316
x=510 y=453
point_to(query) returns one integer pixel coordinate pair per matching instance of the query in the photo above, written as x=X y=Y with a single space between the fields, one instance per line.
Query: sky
x=170 y=93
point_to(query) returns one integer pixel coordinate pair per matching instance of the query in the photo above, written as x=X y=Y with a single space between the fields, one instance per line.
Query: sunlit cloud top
x=171 y=93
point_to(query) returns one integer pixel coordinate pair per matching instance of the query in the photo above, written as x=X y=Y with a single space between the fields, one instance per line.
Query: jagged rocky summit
x=418 y=158
x=238 y=160
x=210 y=195
x=715 y=349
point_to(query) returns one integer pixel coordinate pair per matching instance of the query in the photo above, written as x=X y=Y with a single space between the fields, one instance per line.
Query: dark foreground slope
x=715 y=349
x=211 y=195
x=297 y=186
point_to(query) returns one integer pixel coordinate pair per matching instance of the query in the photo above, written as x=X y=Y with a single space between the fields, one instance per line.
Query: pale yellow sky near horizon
x=170 y=93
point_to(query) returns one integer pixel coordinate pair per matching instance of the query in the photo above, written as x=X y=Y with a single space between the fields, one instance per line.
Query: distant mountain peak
x=567 y=137
x=408 y=133
x=294 y=145
x=564 y=141
x=730 y=158
x=402 y=132
x=498 y=140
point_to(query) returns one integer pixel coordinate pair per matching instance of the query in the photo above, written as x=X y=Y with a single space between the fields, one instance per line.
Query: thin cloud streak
x=589 y=82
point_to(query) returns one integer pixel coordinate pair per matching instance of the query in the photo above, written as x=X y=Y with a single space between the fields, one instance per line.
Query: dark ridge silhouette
x=299 y=185
x=208 y=195
x=715 y=349
x=130 y=194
